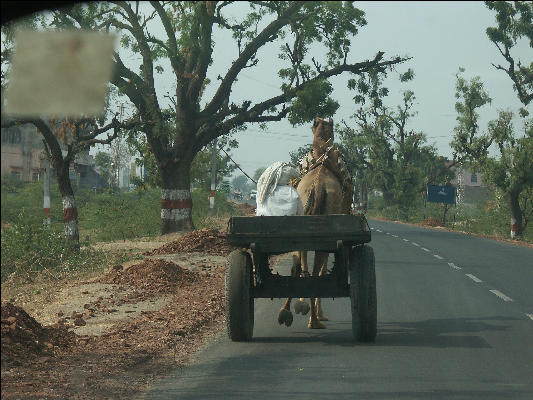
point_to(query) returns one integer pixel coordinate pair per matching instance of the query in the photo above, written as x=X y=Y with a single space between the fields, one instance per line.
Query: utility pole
x=46 y=190
x=213 y=179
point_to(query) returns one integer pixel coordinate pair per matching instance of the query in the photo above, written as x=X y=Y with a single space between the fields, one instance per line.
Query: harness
x=326 y=160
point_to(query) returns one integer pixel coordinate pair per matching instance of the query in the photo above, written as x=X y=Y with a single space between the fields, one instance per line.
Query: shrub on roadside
x=29 y=248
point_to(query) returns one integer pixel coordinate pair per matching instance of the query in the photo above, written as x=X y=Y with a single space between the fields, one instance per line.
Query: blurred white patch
x=59 y=73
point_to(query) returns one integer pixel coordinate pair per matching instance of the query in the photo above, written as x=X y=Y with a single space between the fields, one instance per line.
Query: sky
x=439 y=36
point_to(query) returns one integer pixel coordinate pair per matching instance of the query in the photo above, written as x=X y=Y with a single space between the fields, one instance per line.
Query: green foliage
x=382 y=153
x=201 y=168
x=103 y=161
x=514 y=21
x=187 y=43
x=28 y=248
x=242 y=183
x=200 y=211
x=312 y=101
x=511 y=172
x=468 y=144
x=28 y=199
x=104 y=215
x=299 y=153
x=134 y=214
x=487 y=215
x=258 y=172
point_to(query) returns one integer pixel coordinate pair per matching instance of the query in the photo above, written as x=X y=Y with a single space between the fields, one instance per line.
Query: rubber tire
x=239 y=302
x=363 y=293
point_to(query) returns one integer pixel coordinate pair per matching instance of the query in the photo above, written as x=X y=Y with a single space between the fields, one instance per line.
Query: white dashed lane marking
x=405 y=240
x=437 y=256
x=387 y=233
x=454 y=266
x=415 y=244
x=378 y=230
x=501 y=295
x=474 y=278
x=530 y=316
x=423 y=248
x=394 y=235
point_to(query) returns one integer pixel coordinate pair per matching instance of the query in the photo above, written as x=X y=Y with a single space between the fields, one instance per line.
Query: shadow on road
x=436 y=333
x=441 y=333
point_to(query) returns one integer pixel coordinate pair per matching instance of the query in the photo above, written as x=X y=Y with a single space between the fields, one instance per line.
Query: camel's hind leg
x=300 y=306
x=285 y=314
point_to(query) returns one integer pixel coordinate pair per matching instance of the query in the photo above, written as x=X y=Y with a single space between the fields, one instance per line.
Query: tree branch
x=265 y=36
x=173 y=46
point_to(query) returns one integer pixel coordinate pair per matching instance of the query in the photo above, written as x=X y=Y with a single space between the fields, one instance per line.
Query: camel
x=324 y=189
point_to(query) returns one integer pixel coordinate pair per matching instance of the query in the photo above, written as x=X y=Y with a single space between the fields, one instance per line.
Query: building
x=464 y=176
x=22 y=154
x=470 y=187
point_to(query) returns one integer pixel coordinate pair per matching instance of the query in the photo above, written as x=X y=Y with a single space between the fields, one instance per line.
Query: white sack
x=277 y=174
x=283 y=201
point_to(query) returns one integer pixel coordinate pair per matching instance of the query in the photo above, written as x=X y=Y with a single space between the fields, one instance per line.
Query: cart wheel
x=239 y=301
x=363 y=293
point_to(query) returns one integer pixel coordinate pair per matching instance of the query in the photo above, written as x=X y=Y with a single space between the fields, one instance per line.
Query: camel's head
x=322 y=132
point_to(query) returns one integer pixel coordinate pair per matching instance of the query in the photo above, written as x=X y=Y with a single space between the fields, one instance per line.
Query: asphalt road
x=455 y=321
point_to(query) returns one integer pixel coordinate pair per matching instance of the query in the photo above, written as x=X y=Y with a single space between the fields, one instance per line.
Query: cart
x=248 y=275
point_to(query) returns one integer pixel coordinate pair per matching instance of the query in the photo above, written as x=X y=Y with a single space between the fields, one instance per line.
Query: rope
x=238 y=166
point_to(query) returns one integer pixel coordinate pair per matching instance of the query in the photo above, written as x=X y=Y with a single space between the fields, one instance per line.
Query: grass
x=28 y=247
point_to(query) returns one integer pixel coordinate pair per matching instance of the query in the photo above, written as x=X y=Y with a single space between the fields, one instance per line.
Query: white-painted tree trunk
x=176 y=207
x=514 y=228
x=70 y=218
x=46 y=190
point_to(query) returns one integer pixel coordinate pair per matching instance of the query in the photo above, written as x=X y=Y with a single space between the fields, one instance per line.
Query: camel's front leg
x=320 y=259
x=320 y=312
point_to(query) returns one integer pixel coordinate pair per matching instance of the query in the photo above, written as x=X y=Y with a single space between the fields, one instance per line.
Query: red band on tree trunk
x=212 y=193
x=70 y=214
x=46 y=212
x=174 y=204
x=514 y=227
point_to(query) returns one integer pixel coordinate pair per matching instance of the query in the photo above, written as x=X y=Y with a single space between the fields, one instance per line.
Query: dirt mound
x=209 y=241
x=431 y=222
x=23 y=337
x=153 y=276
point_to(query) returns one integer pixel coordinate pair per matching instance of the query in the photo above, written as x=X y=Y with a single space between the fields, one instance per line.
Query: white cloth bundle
x=274 y=195
x=277 y=174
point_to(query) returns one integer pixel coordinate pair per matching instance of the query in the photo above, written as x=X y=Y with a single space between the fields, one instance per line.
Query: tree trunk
x=516 y=215
x=445 y=211
x=176 y=201
x=363 y=197
x=70 y=211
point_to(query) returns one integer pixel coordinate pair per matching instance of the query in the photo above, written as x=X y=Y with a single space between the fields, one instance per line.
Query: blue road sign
x=440 y=194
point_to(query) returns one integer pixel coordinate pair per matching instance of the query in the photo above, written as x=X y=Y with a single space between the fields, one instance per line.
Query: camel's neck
x=320 y=146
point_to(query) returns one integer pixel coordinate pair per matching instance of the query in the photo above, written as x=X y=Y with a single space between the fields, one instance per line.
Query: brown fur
x=324 y=189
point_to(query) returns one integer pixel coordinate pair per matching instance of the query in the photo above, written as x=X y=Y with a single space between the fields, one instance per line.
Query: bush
x=486 y=215
x=28 y=248
x=112 y=216
x=106 y=215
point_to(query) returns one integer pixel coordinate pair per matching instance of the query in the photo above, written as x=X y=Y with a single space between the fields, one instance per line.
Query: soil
x=245 y=208
x=209 y=241
x=432 y=222
x=111 y=336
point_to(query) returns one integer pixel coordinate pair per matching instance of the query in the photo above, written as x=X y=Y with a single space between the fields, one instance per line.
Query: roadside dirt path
x=111 y=336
